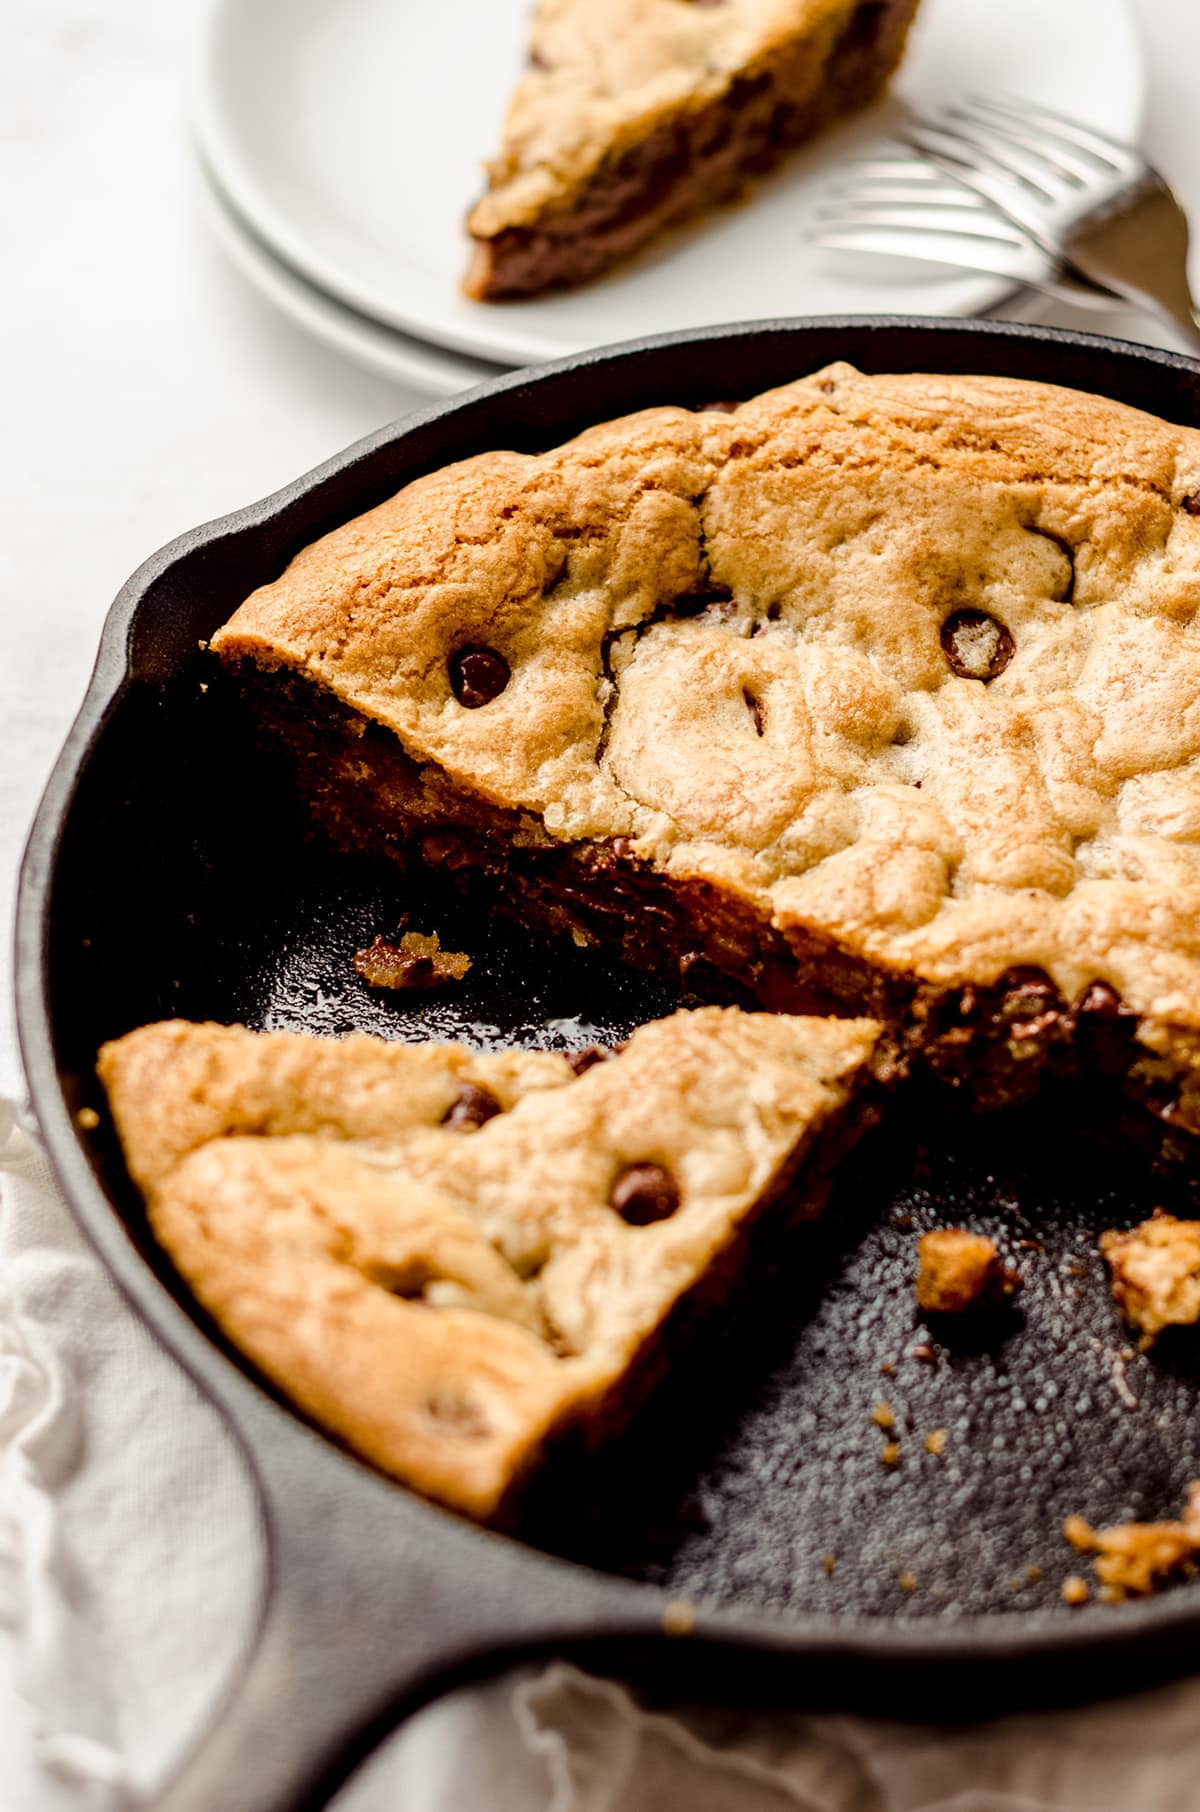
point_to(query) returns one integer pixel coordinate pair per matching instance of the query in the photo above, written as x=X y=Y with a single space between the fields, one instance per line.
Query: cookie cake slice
x=637 y=114
x=450 y=1261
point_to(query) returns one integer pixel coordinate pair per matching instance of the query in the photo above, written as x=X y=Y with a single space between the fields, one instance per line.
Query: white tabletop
x=146 y=389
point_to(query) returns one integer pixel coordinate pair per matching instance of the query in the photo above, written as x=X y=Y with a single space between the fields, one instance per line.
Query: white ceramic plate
x=433 y=370
x=349 y=135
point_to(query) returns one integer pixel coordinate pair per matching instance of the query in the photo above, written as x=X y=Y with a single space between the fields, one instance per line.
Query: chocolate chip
x=477 y=676
x=587 y=1058
x=714 y=598
x=976 y=645
x=1106 y=1028
x=1030 y=1004
x=720 y=408
x=1192 y=504
x=865 y=25
x=1028 y=990
x=754 y=706
x=457 y=1414
x=1067 y=592
x=1100 y=998
x=472 y=1106
x=644 y=1193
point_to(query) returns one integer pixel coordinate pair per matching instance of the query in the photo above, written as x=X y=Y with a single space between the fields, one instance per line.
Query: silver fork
x=1020 y=191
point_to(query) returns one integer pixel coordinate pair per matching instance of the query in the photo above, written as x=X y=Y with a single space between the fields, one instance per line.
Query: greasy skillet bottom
x=192 y=893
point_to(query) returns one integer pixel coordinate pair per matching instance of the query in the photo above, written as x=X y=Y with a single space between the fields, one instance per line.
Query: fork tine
x=906 y=166
x=1075 y=166
x=1073 y=132
x=917 y=181
x=963 y=223
x=921 y=195
x=950 y=145
x=1019 y=264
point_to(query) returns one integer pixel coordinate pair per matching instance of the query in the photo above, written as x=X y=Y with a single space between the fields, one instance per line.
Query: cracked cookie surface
x=906 y=663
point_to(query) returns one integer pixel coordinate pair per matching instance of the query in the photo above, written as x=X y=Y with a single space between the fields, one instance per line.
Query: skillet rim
x=1148 y=1634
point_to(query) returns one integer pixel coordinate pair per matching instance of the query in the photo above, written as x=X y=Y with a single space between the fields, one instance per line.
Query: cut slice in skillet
x=447 y=1259
x=636 y=114
x=874 y=694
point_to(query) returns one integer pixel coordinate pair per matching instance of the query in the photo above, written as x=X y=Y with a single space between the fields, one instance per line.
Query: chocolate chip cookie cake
x=877 y=696
x=448 y=1259
x=637 y=114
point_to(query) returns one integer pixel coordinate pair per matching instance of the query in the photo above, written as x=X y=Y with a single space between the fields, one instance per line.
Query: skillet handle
x=374 y=1603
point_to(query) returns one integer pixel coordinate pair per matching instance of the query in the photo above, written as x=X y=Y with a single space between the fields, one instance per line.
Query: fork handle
x=1142 y=256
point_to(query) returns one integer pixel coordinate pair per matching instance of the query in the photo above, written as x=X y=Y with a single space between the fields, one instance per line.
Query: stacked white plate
x=342 y=142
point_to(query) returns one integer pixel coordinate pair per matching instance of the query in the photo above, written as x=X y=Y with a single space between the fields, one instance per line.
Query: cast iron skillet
x=165 y=875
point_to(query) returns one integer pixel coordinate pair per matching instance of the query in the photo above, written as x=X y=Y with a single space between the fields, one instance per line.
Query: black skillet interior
x=182 y=885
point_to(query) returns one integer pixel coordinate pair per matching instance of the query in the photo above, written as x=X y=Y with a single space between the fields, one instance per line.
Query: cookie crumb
x=890 y=1456
x=88 y=1119
x=1155 y=1273
x=959 y=1270
x=883 y=1416
x=678 y=1618
x=1074 y=1590
x=1133 y=1559
x=935 y=1442
x=416 y=962
x=829 y=1562
x=888 y=1367
x=908 y=1582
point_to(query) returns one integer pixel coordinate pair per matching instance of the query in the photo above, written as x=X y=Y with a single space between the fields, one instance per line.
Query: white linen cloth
x=145 y=389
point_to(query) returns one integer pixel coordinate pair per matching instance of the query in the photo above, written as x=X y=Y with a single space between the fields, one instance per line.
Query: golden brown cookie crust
x=445 y=1298
x=801 y=741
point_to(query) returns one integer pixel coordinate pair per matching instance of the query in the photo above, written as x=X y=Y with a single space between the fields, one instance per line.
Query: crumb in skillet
x=1134 y=1559
x=935 y=1442
x=678 y=1618
x=1031 y=1576
x=1155 y=1271
x=883 y=1416
x=88 y=1119
x=890 y=1456
x=829 y=1562
x=908 y=1582
x=959 y=1270
x=1075 y=1590
x=415 y=962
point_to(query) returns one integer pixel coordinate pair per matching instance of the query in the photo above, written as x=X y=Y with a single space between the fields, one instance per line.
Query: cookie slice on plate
x=450 y=1260
x=636 y=114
